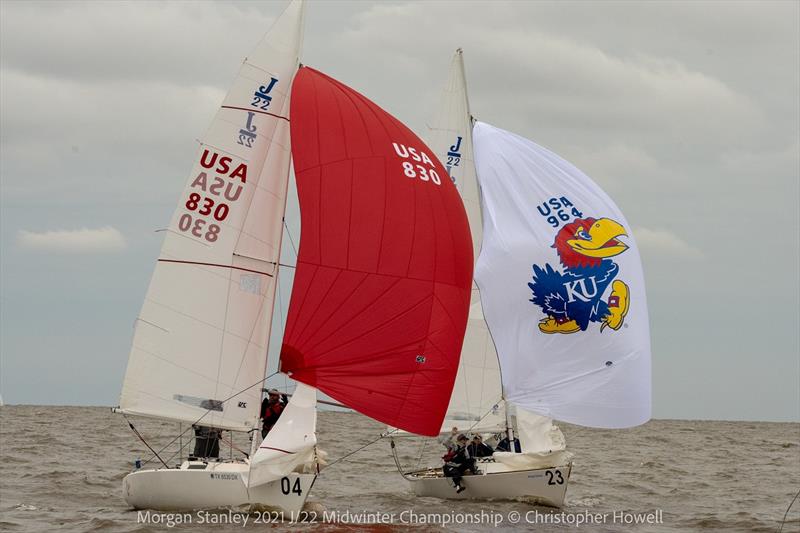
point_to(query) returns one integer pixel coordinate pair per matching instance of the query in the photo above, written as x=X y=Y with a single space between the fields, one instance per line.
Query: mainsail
x=476 y=403
x=562 y=287
x=202 y=335
x=382 y=288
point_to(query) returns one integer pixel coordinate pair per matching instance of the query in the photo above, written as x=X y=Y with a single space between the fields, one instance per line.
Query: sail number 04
x=287 y=487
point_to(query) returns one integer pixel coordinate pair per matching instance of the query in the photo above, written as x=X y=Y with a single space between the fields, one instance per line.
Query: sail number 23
x=554 y=477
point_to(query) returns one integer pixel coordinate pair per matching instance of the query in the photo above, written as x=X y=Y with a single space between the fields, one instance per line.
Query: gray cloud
x=83 y=240
x=664 y=243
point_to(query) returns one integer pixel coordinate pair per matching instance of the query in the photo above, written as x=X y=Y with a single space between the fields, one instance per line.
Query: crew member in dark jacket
x=206 y=442
x=478 y=448
x=271 y=409
x=503 y=446
x=457 y=462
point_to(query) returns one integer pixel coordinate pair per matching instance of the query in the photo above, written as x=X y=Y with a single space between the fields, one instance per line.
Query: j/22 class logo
x=453 y=157
x=573 y=297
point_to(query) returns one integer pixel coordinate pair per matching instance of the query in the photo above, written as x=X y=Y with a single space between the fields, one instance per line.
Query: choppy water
x=62 y=467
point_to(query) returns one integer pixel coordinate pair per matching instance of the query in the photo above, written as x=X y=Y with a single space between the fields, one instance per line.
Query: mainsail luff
x=381 y=291
x=202 y=335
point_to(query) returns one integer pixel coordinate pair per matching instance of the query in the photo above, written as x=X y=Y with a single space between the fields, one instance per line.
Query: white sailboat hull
x=536 y=485
x=219 y=485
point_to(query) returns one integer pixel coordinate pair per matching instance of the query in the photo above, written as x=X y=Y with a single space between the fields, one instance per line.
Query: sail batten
x=381 y=289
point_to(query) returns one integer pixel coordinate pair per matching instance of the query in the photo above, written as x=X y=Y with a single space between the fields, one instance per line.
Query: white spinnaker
x=203 y=331
x=477 y=395
x=291 y=441
x=591 y=377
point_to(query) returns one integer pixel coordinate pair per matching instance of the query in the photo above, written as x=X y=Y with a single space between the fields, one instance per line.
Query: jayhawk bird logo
x=573 y=298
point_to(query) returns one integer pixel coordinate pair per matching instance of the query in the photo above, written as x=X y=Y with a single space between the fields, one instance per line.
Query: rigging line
x=397 y=460
x=208 y=411
x=294 y=248
x=232 y=445
x=480 y=419
x=342 y=458
x=787 y=511
x=171 y=457
x=421 y=451
x=136 y=432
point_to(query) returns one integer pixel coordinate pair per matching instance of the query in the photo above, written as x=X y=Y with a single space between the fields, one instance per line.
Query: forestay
x=202 y=334
x=562 y=287
x=381 y=293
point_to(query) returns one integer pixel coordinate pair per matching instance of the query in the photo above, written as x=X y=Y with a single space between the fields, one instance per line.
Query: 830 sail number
x=196 y=225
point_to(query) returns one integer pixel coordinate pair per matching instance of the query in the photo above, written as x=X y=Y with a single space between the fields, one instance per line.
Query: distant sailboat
x=485 y=400
x=380 y=296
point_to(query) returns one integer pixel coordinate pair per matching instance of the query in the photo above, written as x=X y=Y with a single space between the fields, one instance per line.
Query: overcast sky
x=686 y=113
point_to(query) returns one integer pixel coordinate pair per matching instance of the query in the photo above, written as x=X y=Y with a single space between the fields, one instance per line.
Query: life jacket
x=271 y=413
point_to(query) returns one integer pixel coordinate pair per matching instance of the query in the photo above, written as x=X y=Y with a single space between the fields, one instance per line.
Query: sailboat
x=380 y=297
x=516 y=394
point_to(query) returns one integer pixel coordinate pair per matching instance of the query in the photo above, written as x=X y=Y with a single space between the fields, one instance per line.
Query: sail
x=202 y=335
x=537 y=434
x=476 y=403
x=290 y=444
x=562 y=287
x=381 y=291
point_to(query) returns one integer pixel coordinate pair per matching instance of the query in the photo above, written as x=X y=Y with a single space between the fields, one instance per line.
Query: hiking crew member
x=457 y=462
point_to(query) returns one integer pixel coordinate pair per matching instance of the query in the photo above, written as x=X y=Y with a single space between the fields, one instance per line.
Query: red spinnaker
x=384 y=271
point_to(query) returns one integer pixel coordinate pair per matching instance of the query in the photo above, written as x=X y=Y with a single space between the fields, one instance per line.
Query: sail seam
x=410 y=278
x=196 y=319
x=387 y=321
x=293 y=301
x=173 y=363
x=200 y=263
x=356 y=315
x=321 y=301
x=255 y=111
x=341 y=304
